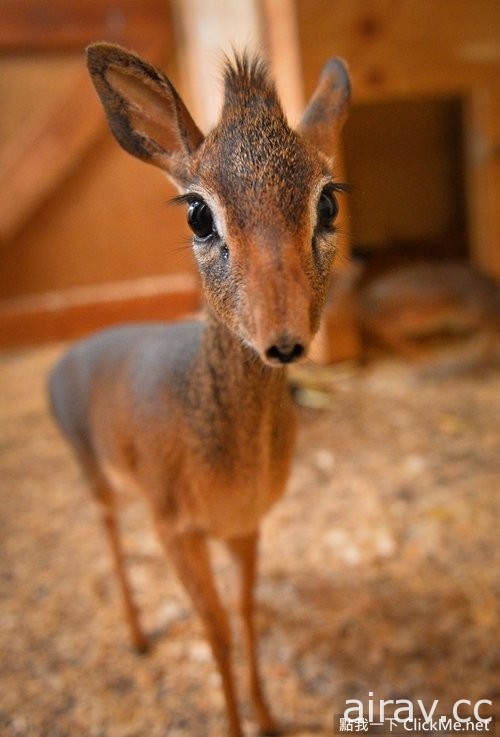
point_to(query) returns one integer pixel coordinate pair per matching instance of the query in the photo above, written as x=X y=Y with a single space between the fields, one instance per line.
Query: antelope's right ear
x=146 y=115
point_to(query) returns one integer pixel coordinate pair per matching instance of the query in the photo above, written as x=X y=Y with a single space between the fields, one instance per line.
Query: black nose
x=285 y=352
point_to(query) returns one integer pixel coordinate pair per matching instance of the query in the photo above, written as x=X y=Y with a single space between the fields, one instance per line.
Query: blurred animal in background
x=421 y=310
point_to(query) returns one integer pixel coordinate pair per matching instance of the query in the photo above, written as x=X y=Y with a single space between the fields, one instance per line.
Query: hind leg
x=104 y=495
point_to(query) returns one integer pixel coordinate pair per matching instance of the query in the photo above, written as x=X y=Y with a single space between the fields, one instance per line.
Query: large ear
x=144 y=111
x=327 y=110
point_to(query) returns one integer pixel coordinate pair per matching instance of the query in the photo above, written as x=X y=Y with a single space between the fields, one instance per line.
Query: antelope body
x=196 y=415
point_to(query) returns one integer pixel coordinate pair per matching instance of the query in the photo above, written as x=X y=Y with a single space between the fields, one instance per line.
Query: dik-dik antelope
x=196 y=415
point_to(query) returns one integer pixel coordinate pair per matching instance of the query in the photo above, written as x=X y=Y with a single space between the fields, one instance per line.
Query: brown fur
x=197 y=415
x=410 y=305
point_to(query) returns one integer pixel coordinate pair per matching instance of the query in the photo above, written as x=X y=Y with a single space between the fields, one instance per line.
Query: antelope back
x=261 y=197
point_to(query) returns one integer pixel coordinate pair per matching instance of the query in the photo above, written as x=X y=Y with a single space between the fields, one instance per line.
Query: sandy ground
x=379 y=570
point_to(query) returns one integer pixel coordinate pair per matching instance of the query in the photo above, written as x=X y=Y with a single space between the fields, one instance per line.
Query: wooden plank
x=405 y=49
x=43 y=154
x=482 y=111
x=282 y=41
x=402 y=47
x=66 y=25
x=208 y=29
x=75 y=312
x=45 y=151
x=108 y=223
x=337 y=338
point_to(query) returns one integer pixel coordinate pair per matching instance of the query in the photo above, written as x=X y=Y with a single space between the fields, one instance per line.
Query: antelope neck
x=231 y=360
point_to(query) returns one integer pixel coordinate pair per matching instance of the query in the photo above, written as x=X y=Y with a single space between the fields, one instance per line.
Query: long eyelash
x=183 y=199
x=341 y=187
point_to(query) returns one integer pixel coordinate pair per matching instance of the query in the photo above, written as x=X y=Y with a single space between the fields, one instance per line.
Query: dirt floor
x=379 y=570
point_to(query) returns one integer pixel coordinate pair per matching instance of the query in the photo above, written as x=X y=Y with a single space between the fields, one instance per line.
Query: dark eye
x=200 y=220
x=328 y=208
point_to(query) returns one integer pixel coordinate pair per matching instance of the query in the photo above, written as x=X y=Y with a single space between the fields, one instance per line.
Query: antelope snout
x=285 y=349
x=277 y=314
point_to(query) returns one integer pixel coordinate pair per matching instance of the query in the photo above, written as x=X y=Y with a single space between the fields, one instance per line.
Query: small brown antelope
x=409 y=304
x=197 y=415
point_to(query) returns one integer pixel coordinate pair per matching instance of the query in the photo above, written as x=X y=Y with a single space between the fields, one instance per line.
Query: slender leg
x=138 y=638
x=105 y=498
x=244 y=551
x=189 y=554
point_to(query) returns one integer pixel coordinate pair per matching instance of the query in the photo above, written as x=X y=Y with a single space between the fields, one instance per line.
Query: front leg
x=244 y=552
x=189 y=554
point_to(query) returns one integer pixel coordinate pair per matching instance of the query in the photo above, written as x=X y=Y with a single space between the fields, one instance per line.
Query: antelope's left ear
x=327 y=110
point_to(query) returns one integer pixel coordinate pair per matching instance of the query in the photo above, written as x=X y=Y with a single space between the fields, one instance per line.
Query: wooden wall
x=108 y=221
x=405 y=50
x=76 y=211
x=405 y=160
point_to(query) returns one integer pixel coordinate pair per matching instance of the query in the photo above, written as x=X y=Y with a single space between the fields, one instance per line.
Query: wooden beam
x=482 y=138
x=45 y=152
x=208 y=29
x=59 y=316
x=67 y=25
x=282 y=41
